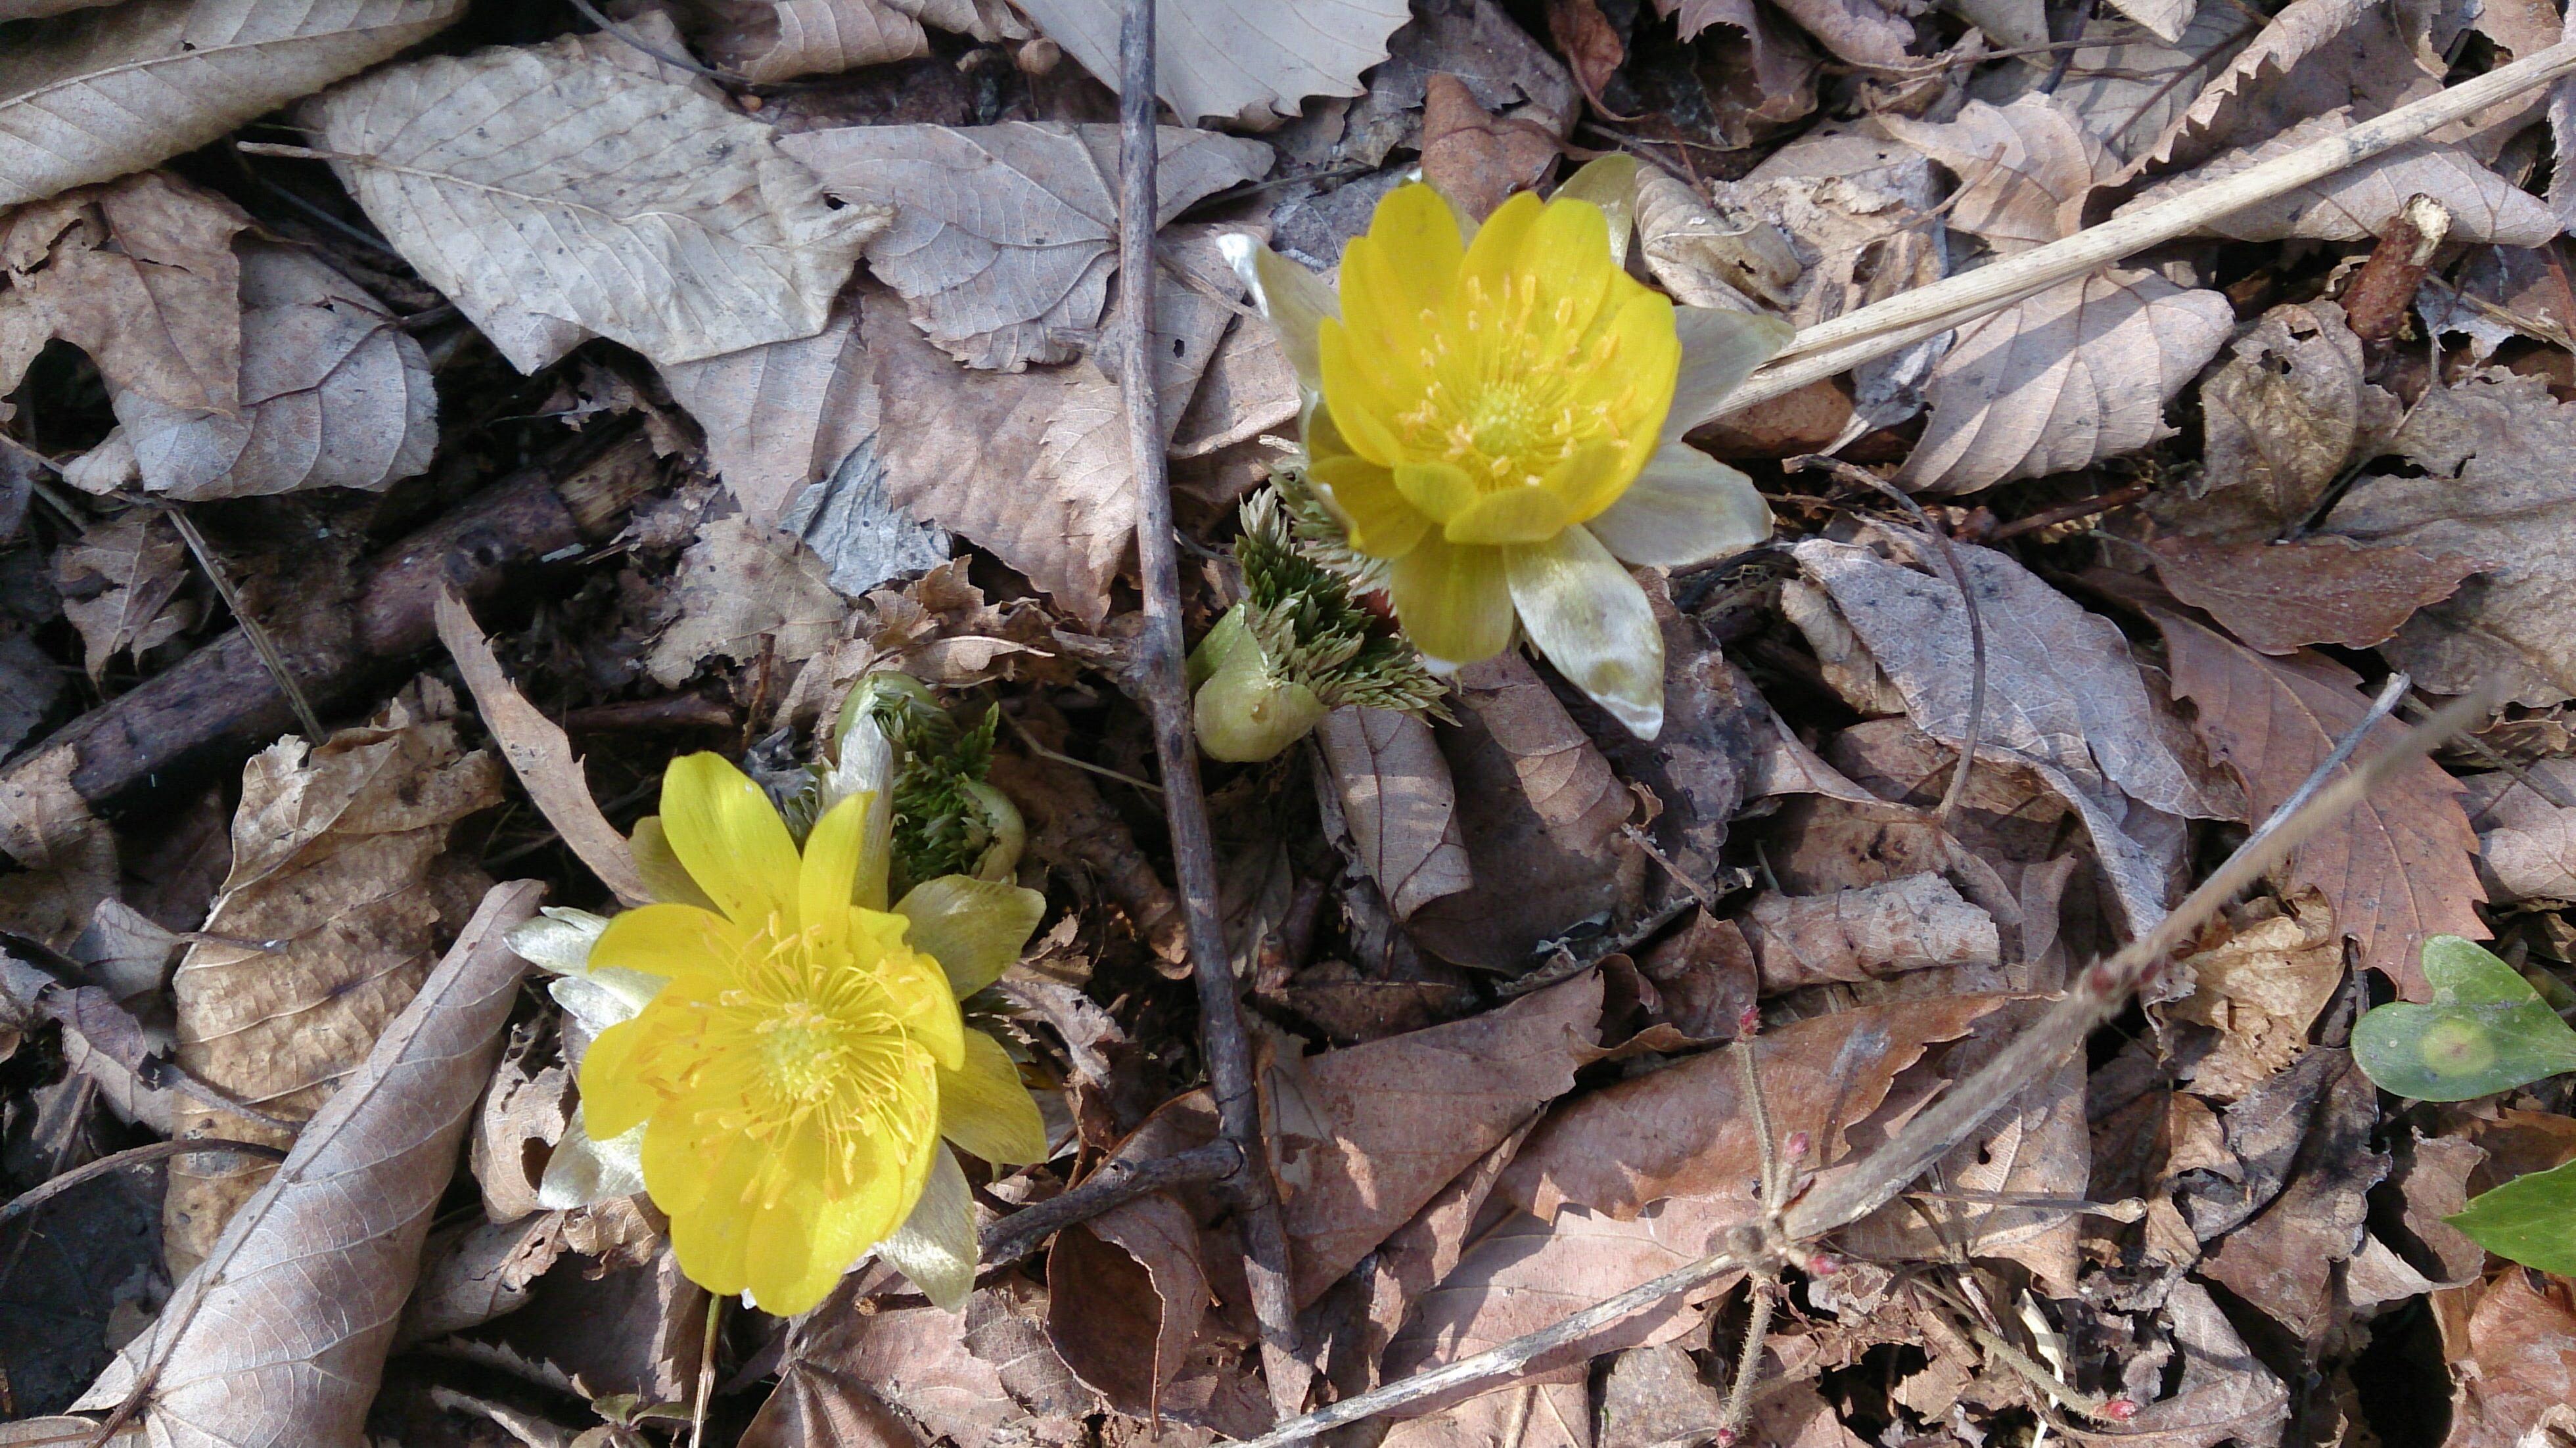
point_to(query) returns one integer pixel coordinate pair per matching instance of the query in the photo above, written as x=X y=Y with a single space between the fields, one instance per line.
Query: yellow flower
x=804 y=1057
x=1498 y=412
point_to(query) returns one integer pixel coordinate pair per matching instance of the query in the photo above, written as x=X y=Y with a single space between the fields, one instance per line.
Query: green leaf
x=2531 y=1219
x=2485 y=1031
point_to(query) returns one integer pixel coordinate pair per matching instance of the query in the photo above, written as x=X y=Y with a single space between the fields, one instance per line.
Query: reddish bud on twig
x=1823 y=1264
x=1748 y=1022
x=1797 y=1146
x=2120 y=1410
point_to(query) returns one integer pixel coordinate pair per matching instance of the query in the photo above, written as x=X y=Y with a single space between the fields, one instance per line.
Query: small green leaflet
x=2531 y=1219
x=2485 y=1031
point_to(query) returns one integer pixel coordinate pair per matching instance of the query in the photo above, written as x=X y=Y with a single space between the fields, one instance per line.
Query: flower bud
x=1247 y=714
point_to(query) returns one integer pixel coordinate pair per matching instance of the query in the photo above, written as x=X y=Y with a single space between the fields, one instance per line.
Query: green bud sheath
x=1246 y=714
x=1219 y=645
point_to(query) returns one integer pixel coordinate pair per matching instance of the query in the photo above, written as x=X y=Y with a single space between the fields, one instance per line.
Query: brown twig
x=2068 y=512
x=1114 y=1185
x=1158 y=674
x=269 y=657
x=1865 y=1186
x=37 y=1196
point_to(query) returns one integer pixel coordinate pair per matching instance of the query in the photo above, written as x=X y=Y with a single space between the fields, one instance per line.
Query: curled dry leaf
x=1475 y=159
x=1003 y=239
x=2497 y=485
x=1125 y=1297
x=555 y=193
x=2063 y=693
x=2066 y=378
x=120 y=583
x=67 y=855
x=2514 y=1377
x=1398 y=803
x=2359 y=202
x=1540 y=811
x=2282 y=1261
x=745 y=590
x=781 y=415
x=322 y=933
x=1864 y=32
x=93 y=95
x=541 y=755
x=282 y=1335
x=2223 y=1392
x=1917 y=922
x=2024 y=170
x=2311 y=58
x=2259 y=989
x=772 y=40
x=2400 y=867
x=2280 y=419
x=1246 y=61
x=2129 y=87
x=2526 y=845
x=1708 y=259
x=470 y=1276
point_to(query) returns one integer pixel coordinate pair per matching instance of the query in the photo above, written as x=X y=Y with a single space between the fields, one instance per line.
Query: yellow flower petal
x=1492 y=264
x=1381 y=523
x=614 y=1098
x=724 y=829
x=1685 y=508
x=1452 y=600
x=1355 y=396
x=1592 y=622
x=670 y=940
x=986 y=1111
x=1420 y=234
x=974 y=928
x=1568 y=252
x=663 y=873
x=712 y=1235
x=1514 y=515
x=829 y=869
x=922 y=999
x=1440 y=490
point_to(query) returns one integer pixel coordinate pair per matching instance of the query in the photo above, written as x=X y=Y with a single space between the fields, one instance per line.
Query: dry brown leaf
x=1033 y=465
x=2359 y=202
x=2010 y=24
x=100 y=1039
x=480 y=1271
x=1864 y=32
x=1247 y=61
x=1367 y=1136
x=2061 y=380
x=2514 y=1372
x=1398 y=803
x=1476 y=159
x=556 y=193
x=1655 y=1397
x=1540 y=811
x=2280 y=420
x=1593 y=48
x=842 y=1365
x=331 y=893
x=1706 y=259
x=236 y=367
x=744 y=590
x=281 y=1338
x=2222 y=1394
x=2281 y=597
x=541 y=755
x=2024 y=170
x=1917 y=922
x=2312 y=58
x=2259 y=989
x=67 y=855
x=2526 y=845
x=1682 y=1133
x=2282 y=1261
x=773 y=40
x=2129 y=87
x=858 y=532
x=524 y=1113
x=2063 y=693
x=781 y=416
x=1003 y=239
x=90 y=96
x=2400 y=866
x=119 y=585
x=1125 y=1297
x=2497 y=485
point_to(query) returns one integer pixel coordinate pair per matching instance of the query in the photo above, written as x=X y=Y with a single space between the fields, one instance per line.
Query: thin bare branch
x=1113 y=1185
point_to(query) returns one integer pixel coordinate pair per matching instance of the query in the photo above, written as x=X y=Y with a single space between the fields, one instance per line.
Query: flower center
x=801 y=1051
x=1512 y=392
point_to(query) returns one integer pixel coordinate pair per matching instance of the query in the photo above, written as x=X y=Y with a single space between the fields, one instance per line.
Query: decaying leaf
x=772 y=40
x=1539 y=810
x=2281 y=597
x=2312 y=58
x=1918 y=922
x=781 y=415
x=2526 y=844
x=89 y=96
x=1003 y=236
x=1125 y=1296
x=120 y=583
x=744 y=590
x=1398 y=803
x=2359 y=202
x=2497 y=486
x=2259 y=989
x=1705 y=258
x=2223 y=1392
x=2400 y=867
x=2282 y=1259
x=333 y=902
x=1237 y=60
x=1474 y=158
x=2024 y=170
x=2280 y=420
x=2073 y=375
x=858 y=532
x=2515 y=1376
x=557 y=192
x=2063 y=693
x=283 y=1336
x=1865 y=32
x=2129 y=87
